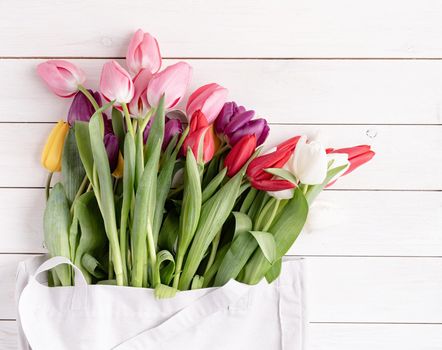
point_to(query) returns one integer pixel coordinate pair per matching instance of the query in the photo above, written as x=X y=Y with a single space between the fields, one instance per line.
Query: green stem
x=127 y=117
x=89 y=96
x=304 y=190
x=272 y=216
x=48 y=184
x=152 y=254
x=263 y=213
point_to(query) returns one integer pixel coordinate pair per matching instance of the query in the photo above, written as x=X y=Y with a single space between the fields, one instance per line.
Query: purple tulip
x=172 y=127
x=81 y=108
x=235 y=121
x=112 y=150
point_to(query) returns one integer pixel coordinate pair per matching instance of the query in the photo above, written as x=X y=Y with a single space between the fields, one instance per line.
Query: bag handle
x=188 y=317
x=79 y=294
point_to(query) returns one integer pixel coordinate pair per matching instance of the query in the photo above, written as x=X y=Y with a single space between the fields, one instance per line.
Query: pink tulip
x=143 y=53
x=115 y=83
x=172 y=81
x=62 y=77
x=138 y=106
x=209 y=99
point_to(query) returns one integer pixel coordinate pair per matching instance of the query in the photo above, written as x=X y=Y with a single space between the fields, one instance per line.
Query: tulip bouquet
x=153 y=196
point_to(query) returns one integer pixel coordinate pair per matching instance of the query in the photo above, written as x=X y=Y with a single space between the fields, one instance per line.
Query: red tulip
x=357 y=156
x=240 y=154
x=262 y=180
x=199 y=127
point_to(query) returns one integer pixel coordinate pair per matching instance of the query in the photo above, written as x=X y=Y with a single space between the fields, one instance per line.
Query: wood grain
x=250 y=28
x=407 y=156
x=288 y=91
x=349 y=223
x=328 y=336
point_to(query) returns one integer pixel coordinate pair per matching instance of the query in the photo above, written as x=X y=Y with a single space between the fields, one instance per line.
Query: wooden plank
x=416 y=168
x=8 y=335
x=330 y=336
x=404 y=290
x=340 y=289
x=357 y=223
x=229 y=29
x=375 y=336
x=310 y=91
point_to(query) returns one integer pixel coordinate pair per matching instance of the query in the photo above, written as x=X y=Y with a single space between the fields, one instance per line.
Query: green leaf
x=84 y=147
x=248 y=201
x=213 y=185
x=209 y=275
x=164 y=292
x=243 y=223
x=57 y=220
x=274 y=272
x=128 y=193
x=282 y=173
x=190 y=210
x=266 y=242
x=118 y=127
x=93 y=235
x=285 y=228
x=169 y=232
x=92 y=266
x=167 y=272
x=72 y=169
x=314 y=191
x=197 y=282
x=213 y=215
x=106 y=195
x=143 y=214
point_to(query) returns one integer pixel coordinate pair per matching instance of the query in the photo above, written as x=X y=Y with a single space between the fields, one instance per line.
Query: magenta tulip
x=172 y=82
x=116 y=84
x=61 y=77
x=143 y=53
x=138 y=107
x=209 y=99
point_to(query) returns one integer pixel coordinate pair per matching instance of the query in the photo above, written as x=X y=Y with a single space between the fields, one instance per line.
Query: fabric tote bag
x=234 y=317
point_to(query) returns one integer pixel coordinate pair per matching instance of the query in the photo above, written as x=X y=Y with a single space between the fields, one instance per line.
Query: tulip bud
x=172 y=127
x=240 y=154
x=309 y=162
x=209 y=99
x=115 y=83
x=81 y=108
x=138 y=107
x=200 y=128
x=143 y=53
x=172 y=82
x=61 y=77
x=112 y=150
x=53 y=150
x=235 y=122
x=357 y=156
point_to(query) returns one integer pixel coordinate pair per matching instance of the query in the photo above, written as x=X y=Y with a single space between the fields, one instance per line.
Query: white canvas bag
x=234 y=317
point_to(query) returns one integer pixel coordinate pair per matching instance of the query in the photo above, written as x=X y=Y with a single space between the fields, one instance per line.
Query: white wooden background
x=356 y=71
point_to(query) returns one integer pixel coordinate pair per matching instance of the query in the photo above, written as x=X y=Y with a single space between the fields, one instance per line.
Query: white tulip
x=309 y=162
x=283 y=194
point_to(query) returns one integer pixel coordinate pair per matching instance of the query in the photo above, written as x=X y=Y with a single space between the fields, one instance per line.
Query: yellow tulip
x=118 y=172
x=53 y=150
